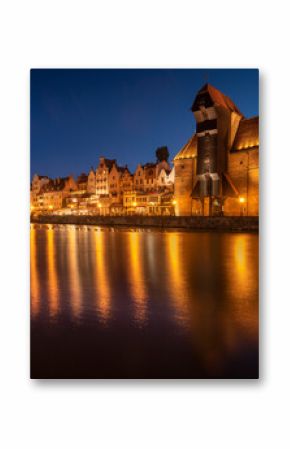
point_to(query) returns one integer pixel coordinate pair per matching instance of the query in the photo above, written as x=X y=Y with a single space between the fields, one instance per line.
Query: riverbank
x=194 y=223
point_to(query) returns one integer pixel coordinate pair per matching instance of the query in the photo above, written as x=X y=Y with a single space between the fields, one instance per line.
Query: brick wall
x=243 y=168
x=184 y=178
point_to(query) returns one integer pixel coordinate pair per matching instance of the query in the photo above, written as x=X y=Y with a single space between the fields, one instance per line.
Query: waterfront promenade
x=191 y=223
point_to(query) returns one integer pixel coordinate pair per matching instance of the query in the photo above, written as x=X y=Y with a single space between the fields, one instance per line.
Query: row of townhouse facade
x=215 y=173
x=109 y=190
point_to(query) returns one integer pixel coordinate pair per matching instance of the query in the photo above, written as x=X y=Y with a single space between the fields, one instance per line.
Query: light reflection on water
x=73 y=278
x=170 y=304
x=52 y=274
x=34 y=275
x=177 y=280
x=136 y=276
x=103 y=295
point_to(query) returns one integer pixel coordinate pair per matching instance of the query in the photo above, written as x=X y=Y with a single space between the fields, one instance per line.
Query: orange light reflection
x=103 y=282
x=74 y=275
x=34 y=279
x=136 y=277
x=176 y=282
x=53 y=289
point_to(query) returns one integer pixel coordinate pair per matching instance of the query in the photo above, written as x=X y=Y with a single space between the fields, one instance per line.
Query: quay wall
x=192 y=223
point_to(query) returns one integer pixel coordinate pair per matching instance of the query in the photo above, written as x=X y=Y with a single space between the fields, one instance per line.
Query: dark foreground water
x=133 y=303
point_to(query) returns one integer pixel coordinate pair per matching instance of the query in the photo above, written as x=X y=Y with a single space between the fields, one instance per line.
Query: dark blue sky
x=79 y=115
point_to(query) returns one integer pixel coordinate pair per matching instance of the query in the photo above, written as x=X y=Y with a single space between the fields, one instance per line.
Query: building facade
x=52 y=195
x=217 y=171
x=91 y=187
x=102 y=175
x=143 y=203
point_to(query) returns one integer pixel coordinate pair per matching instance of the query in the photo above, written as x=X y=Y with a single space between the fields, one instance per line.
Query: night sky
x=79 y=115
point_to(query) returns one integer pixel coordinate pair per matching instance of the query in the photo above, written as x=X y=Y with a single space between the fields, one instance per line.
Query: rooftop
x=189 y=150
x=247 y=136
x=82 y=178
x=109 y=163
x=53 y=185
x=209 y=95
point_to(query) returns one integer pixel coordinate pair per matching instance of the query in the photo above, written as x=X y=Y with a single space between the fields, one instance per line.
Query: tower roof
x=208 y=95
x=189 y=150
x=247 y=135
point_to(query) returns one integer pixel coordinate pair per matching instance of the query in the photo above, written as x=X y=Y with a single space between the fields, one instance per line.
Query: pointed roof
x=126 y=171
x=110 y=162
x=53 y=185
x=83 y=177
x=189 y=150
x=247 y=135
x=107 y=162
x=209 y=94
x=121 y=169
x=149 y=165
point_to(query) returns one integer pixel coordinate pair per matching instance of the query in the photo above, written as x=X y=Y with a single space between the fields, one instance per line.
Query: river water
x=132 y=303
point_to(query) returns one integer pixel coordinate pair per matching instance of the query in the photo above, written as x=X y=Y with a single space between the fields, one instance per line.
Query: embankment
x=190 y=223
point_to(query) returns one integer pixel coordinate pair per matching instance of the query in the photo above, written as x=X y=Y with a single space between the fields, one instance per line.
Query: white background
x=225 y=414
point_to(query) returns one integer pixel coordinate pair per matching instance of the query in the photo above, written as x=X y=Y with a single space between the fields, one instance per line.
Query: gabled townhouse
x=165 y=179
x=91 y=186
x=37 y=183
x=102 y=175
x=127 y=180
x=52 y=195
x=138 y=178
x=82 y=182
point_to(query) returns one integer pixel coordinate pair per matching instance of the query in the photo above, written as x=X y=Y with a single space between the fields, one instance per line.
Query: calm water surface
x=133 y=303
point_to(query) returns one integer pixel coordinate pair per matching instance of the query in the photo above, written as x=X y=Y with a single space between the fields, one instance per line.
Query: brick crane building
x=217 y=171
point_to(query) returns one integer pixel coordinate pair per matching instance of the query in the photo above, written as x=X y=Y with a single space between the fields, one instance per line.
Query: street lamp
x=174 y=202
x=242 y=200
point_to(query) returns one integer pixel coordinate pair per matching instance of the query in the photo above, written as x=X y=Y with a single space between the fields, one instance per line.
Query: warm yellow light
x=50 y=206
x=99 y=205
x=241 y=199
x=31 y=207
x=134 y=204
x=174 y=202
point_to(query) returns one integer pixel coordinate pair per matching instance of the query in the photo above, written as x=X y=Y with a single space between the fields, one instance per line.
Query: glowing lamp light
x=50 y=206
x=134 y=204
x=242 y=200
x=174 y=202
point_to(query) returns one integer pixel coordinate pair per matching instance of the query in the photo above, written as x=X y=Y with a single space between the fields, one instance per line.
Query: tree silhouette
x=162 y=154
